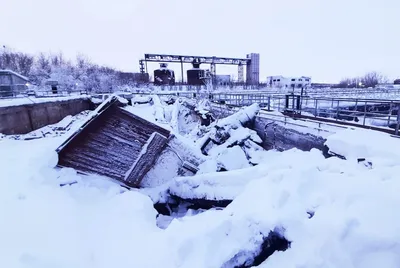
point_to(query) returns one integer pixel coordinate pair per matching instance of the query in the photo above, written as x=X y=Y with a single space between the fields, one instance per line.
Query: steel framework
x=189 y=59
x=213 y=61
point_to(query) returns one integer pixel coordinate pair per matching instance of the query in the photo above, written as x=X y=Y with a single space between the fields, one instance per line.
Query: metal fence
x=378 y=113
x=10 y=92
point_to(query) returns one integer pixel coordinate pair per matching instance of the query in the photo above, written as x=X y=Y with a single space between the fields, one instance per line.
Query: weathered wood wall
x=110 y=144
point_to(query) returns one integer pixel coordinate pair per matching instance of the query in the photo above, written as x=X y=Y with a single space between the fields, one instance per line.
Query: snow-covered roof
x=14 y=73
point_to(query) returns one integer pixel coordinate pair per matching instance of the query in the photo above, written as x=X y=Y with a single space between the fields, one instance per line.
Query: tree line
x=82 y=74
x=370 y=79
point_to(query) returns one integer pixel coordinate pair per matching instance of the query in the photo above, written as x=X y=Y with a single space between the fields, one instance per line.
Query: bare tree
x=24 y=64
x=373 y=78
x=370 y=79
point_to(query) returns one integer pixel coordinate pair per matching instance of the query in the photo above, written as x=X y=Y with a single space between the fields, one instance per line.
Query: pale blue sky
x=325 y=39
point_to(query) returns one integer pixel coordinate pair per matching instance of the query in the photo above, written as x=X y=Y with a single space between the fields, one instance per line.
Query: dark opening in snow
x=273 y=242
x=178 y=203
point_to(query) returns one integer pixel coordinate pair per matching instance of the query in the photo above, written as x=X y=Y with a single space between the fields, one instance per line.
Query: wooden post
x=337 y=110
x=396 y=132
x=146 y=159
x=390 y=112
x=365 y=113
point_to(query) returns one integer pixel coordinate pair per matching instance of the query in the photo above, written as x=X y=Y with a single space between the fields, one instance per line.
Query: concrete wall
x=280 y=136
x=22 y=119
x=283 y=137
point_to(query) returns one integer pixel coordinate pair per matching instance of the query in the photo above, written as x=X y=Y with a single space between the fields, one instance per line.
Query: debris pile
x=230 y=141
x=178 y=152
x=55 y=130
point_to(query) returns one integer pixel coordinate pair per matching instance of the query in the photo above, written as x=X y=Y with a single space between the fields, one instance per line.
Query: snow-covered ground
x=96 y=223
x=33 y=100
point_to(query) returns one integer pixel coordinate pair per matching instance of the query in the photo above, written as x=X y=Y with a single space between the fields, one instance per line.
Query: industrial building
x=164 y=76
x=222 y=79
x=131 y=78
x=196 y=75
x=253 y=69
x=280 y=81
x=12 y=83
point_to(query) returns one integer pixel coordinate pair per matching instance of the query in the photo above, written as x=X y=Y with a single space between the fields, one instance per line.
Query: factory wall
x=22 y=119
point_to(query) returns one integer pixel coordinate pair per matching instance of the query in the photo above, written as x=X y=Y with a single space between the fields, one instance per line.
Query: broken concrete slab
x=231 y=132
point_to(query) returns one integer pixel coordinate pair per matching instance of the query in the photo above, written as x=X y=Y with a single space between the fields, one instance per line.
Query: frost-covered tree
x=81 y=75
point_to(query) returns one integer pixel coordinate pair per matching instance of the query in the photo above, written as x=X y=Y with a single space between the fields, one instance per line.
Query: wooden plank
x=112 y=142
x=109 y=140
x=83 y=167
x=146 y=159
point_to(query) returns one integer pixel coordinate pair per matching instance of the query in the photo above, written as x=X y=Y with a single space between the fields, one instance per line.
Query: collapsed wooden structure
x=114 y=143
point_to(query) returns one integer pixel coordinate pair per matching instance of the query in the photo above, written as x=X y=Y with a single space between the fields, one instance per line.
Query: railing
x=305 y=123
x=374 y=93
x=10 y=92
x=380 y=113
x=363 y=112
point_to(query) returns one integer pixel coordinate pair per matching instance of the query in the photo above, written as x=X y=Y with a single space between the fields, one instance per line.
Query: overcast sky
x=324 y=39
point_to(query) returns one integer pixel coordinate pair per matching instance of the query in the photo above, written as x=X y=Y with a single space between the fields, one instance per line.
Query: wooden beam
x=146 y=159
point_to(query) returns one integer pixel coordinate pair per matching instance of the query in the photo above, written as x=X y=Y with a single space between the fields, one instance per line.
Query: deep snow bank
x=373 y=146
x=95 y=223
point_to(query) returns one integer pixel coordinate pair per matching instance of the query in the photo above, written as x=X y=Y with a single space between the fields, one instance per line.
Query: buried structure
x=117 y=144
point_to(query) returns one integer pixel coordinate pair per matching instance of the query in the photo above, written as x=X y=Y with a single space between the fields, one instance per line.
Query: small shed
x=12 y=83
x=53 y=84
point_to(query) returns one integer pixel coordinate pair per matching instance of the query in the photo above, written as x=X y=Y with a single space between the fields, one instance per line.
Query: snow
x=158 y=109
x=233 y=158
x=215 y=186
x=96 y=223
x=32 y=100
x=241 y=117
x=360 y=143
x=146 y=111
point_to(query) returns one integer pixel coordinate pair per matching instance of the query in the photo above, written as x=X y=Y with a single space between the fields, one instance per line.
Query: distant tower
x=253 y=69
x=240 y=73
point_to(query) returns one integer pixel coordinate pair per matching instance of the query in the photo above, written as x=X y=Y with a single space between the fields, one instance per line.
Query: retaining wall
x=25 y=118
x=284 y=137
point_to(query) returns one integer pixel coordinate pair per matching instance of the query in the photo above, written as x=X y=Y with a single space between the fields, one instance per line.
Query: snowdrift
x=293 y=209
